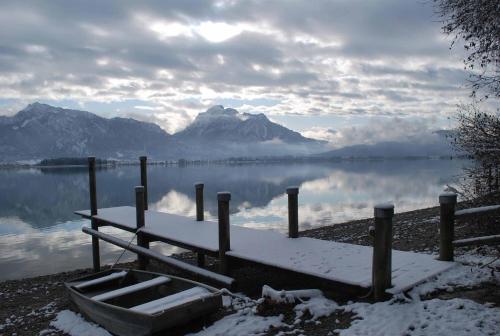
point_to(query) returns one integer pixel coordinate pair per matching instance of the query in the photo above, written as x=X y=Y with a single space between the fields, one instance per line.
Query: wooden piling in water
x=200 y=216
x=96 y=259
x=144 y=179
x=447 y=203
x=293 y=212
x=223 y=199
x=140 y=222
x=199 y=201
x=382 y=250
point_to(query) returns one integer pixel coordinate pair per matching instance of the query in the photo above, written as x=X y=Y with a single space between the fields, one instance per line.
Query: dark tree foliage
x=478 y=135
x=71 y=161
x=477 y=24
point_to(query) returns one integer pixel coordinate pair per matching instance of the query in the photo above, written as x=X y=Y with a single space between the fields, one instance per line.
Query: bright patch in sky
x=166 y=30
x=218 y=31
x=214 y=32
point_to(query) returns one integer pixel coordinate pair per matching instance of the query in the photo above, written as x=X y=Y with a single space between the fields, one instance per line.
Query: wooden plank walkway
x=332 y=261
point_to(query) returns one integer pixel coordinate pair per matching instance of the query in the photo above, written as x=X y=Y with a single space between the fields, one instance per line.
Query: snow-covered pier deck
x=341 y=266
x=326 y=260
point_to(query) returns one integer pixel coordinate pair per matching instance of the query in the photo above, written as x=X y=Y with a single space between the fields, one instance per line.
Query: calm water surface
x=40 y=235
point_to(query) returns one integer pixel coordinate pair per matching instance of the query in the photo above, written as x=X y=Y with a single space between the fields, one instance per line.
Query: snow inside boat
x=132 y=302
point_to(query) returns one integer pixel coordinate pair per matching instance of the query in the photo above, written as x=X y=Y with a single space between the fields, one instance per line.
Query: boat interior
x=142 y=292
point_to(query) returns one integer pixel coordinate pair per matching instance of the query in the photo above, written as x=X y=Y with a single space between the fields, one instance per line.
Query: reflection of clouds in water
x=318 y=185
x=176 y=203
x=344 y=196
x=337 y=198
x=328 y=194
x=46 y=252
x=14 y=226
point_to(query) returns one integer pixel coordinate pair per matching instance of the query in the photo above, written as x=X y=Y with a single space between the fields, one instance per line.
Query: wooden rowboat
x=136 y=303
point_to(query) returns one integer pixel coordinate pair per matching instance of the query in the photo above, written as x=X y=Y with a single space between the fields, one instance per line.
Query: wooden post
x=140 y=222
x=447 y=202
x=382 y=250
x=223 y=199
x=293 y=212
x=96 y=259
x=200 y=216
x=144 y=179
x=199 y=201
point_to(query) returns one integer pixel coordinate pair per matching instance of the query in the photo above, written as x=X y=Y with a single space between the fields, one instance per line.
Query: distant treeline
x=83 y=161
x=73 y=161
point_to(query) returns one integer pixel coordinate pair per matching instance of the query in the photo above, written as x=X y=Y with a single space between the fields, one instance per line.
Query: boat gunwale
x=214 y=293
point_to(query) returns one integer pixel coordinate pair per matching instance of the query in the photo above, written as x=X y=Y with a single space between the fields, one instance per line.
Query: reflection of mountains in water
x=42 y=198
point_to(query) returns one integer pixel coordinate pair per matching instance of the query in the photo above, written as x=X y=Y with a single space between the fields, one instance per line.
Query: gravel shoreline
x=28 y=305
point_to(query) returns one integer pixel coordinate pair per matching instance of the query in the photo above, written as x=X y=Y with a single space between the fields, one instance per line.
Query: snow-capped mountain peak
x=227 y=124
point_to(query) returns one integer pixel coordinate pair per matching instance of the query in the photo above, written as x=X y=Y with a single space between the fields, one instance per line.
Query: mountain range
x=436 y=144
x=43 y=131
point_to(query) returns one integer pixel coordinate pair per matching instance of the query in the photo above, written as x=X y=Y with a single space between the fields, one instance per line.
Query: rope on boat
x=124 y=249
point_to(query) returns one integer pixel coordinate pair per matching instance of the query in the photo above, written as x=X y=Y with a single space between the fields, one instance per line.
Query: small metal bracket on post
x=447 y=203
x=200 y=217
x=223 y=199
x=371 y=231
x=293 y=212
x=144 y=179
x=96 y=258
x=382 y=250
x=140 y=222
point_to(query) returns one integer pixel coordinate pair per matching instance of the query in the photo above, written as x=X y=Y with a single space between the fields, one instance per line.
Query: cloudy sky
x=345 y=70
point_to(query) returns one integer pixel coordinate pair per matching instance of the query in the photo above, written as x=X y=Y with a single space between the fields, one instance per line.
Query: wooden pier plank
x=339 y=262
x=332 y=261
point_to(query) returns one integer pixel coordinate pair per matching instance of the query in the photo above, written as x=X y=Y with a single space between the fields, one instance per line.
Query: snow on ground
x=289 y=296
x=402 y=315
x=75 y=325
x=317 y=307
x=436 y=317
x=23 y=321
x=244 y=321
x=459 y=276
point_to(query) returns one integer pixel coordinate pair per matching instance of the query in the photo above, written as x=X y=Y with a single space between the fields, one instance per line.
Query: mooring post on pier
x=382 y=250
x=199 y=201
x=144 y=179
x=447 y=203
x=96 y=259
x=140 y=221
x=293 y=212
x=223 y=199
x=200 y=216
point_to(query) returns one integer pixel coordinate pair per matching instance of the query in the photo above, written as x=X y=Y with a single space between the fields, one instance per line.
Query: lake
x=39 y=234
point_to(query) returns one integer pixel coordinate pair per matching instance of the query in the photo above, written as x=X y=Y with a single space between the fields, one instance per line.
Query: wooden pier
x=359 y=268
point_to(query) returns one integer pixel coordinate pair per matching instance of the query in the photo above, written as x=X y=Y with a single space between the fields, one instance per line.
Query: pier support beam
x=223 y=199
x=382 y=250
x=140 y=222
x=96 y=259
x=293 y=212
x=144 y=179
x=447 y=203
x=200 y=216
